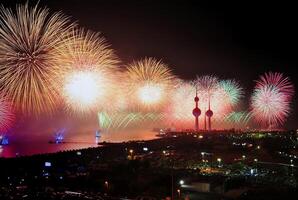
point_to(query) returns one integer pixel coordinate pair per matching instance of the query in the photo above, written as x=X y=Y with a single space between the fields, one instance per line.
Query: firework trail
x=7 y=116
x=28 y=38
x=206 y=84
x=277 y=80
x=271 y=99
x=239 y=119
x=123 y=120
x=87 y=50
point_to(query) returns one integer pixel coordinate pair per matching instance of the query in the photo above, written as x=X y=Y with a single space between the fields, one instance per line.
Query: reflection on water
x=29 y=144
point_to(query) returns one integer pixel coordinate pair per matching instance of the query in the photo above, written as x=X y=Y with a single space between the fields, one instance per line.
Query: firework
x=233 y=89
x=241 y=118
x=182 y=103
x=83 y=90
x=211 y=91
x=270 y=102
x=90 y=71
x=223 y=96
x=277 y=80
x=28 y=39
x=7 y=116
x=206 y=85
x=87 y=50
x=124 y=120
x=149 y=83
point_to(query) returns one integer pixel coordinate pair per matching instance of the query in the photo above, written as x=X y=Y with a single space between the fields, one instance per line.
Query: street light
x=219 y=162
x=256 y=161
x=292 y=166
x=130 y=155
x=107 y=184
x=181 y=182
x=145 y=148
x=179 y=192
x=203 y=156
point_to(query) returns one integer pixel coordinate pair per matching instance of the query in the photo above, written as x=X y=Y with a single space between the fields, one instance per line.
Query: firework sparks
x=222 y=94
x=123 y=120
x=233 y=89
x=277 y=80
x=90 y=68
x=182 y=103
x=240 y=118
x=87 y=50
x=150 y=81
x=83 y=90
x=7 y=117
x=27 y=57
x=150 y=93
x=270 y=102
x=211 y=91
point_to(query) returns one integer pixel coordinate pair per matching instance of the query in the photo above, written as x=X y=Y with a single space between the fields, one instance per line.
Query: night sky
x=230 y=40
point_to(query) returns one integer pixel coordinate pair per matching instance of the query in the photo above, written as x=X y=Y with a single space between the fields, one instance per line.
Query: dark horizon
x=229 y=40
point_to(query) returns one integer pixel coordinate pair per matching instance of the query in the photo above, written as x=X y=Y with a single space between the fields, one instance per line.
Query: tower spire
x=205 y=120
x=196 y=111
x=209 y=103
x=209 y=114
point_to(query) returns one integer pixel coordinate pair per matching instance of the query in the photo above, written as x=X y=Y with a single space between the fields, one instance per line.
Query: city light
x=219 y=160
x=48 y=164
x=163 y=112
x=179 y=192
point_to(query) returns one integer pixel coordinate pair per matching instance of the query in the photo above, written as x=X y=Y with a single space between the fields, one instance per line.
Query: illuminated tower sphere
x=196 y=99
x=209 y=114
x=196 y=112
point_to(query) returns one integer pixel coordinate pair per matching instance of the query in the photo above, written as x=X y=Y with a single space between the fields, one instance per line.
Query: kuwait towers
x=196 y=112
